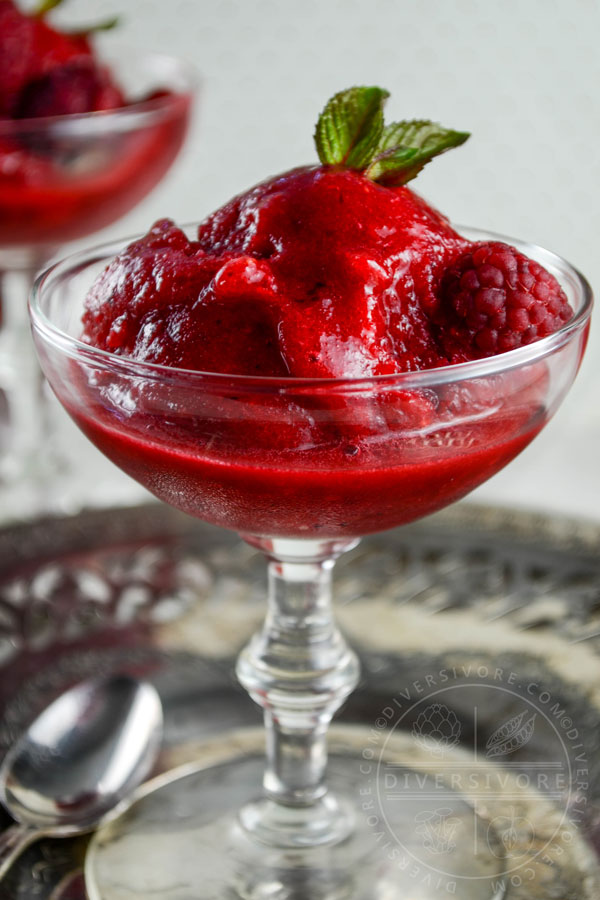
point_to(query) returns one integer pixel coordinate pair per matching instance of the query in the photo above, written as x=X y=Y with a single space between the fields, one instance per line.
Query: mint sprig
x=106 y=25
x=46 y=6
x=351 y=132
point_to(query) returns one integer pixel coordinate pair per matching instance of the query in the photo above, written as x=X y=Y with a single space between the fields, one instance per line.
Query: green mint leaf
x=350 y=127
x=106 y=25
x=395 y=163
x=421 y=134
x=45 y=6
x=406 y=147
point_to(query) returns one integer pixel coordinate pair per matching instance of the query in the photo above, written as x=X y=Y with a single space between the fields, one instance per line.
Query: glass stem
x=27 y=454
x=300 y=670
x=20 y=379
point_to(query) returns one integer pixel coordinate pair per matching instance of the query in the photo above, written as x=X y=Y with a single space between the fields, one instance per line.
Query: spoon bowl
x=79 y=761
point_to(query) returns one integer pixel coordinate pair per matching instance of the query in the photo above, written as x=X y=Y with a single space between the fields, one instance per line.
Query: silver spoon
x=78 y=761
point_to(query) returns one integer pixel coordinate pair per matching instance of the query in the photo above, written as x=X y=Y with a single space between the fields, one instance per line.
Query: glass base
x=184 y=839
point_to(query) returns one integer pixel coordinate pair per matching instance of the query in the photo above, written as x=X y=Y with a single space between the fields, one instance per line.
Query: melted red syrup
x=346 y=489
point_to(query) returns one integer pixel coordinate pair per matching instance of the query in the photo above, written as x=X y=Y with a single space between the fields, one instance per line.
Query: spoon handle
x=13 y=840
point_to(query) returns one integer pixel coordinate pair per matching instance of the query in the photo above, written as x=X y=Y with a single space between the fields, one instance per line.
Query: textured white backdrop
x=523 y=76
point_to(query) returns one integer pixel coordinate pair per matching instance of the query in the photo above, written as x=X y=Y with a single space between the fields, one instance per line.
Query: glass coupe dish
x=69 y=176
x=301 y=469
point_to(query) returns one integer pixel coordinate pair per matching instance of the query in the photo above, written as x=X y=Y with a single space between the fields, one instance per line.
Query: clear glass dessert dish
x=62 y=178
x=301 y=469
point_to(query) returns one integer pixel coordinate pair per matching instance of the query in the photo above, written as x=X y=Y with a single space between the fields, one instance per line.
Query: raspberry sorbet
x=339 y=283
x=75 y=151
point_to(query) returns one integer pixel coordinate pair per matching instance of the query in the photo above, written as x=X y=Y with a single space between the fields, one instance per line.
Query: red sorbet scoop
x=318 y=273
x=325 y=272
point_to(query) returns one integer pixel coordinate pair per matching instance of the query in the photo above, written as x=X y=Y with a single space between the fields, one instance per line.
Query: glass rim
x=420 y=379
x=78 y=123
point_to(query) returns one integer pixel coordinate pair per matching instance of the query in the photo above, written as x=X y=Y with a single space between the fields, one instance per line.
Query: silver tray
x=474 y=591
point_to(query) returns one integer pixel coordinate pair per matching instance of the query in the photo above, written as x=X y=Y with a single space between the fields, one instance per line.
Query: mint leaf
x=395 y=163
x=350 y=127
x=406 y=147
x=45 y=6
x=421 y=134
x=106 y=25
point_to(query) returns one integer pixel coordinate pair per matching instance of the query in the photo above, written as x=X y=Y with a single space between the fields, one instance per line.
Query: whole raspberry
x=493 y=299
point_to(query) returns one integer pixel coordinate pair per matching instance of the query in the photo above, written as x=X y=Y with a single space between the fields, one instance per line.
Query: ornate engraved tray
x=473 y=609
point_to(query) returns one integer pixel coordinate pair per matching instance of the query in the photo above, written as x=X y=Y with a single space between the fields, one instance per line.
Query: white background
x=522 y=75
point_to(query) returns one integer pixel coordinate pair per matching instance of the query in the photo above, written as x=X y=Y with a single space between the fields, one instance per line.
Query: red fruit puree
x=58 y=180
x=317 y=274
